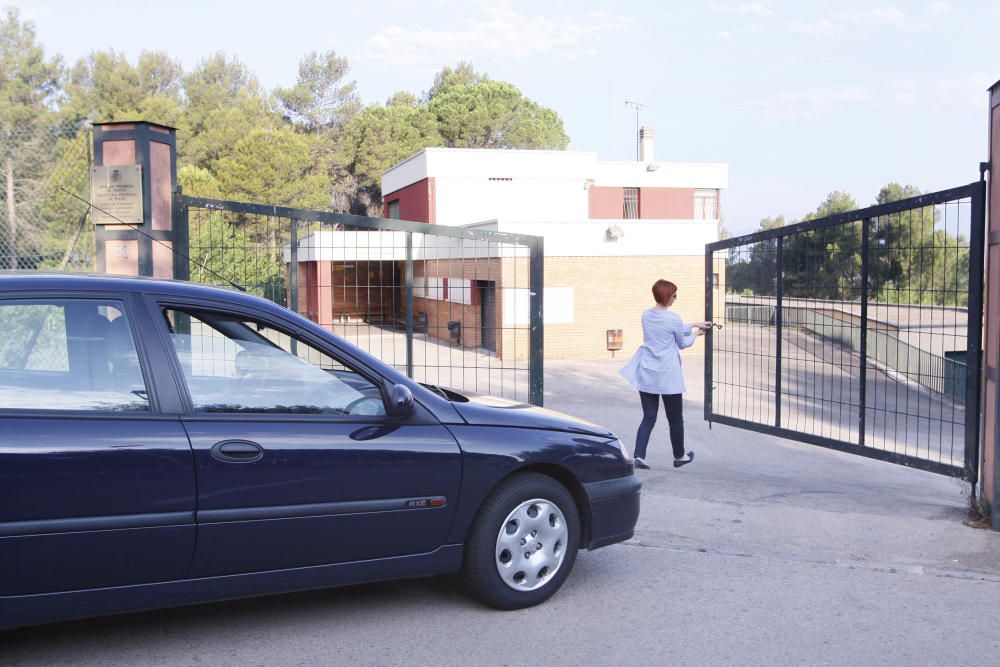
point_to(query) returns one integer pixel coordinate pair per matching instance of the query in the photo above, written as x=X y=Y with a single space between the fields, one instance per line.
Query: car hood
x=482 y=410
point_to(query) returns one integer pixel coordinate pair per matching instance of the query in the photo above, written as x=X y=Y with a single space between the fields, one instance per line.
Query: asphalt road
x=761 y=552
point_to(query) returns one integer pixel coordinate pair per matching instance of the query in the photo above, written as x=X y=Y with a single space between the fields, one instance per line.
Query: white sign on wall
x=460 y=291
x=116 y=193
x=557 y=306
x=435 y=288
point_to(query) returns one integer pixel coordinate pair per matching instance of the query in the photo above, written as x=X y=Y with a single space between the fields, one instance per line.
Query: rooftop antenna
x=638 y=106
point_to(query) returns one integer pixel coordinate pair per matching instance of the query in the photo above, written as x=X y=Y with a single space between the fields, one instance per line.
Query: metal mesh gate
x=447 y=306
x=860 y=332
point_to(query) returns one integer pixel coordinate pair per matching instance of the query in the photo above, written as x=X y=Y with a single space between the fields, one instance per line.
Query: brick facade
x=614 y=292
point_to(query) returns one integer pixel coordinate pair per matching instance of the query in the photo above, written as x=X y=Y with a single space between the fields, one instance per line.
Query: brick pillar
x=324 y=293
x=991 y=341
x=122 y=249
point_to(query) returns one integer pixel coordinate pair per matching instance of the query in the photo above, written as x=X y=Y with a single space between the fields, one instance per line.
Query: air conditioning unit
x=614 y=233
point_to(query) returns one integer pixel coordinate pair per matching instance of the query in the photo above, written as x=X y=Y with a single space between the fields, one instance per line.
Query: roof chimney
x=645 y=144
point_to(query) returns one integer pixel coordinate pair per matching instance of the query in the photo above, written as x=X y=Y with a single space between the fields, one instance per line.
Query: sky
x=799 y=98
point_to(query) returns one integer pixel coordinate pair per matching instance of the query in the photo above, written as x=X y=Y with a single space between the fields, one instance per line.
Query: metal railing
x=860 y=332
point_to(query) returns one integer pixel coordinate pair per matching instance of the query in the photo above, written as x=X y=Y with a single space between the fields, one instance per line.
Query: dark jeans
x=675 y=417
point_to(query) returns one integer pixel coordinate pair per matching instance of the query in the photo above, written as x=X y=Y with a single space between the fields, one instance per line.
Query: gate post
x=991 y=353
x=778 y=316
x=134 y=173
x=293 y=268
x=182 y=237
x=409 y=304
x=863 y=352
x=536 y=304
x=709 y=335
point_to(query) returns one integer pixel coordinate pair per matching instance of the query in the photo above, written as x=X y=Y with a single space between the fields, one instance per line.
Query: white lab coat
x=656 y=366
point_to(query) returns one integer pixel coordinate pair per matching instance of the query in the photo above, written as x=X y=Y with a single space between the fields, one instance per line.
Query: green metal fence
x=449 y=306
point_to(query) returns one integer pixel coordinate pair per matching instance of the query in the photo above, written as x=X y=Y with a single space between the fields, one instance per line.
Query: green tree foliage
x=198 y=182
x=235 y=248
x=380 y=137
x=273 y=167
x=462 y=75
x=225 y=103
x=105 y=86
x=321 y=98
x=29 y=86
x=824 y=263
x=772 y=223
x=66 y=237
x=913 y=257
x=311 y=145
x=29 y=80
x=463 y=108
x=494 y=114
x=240 y=249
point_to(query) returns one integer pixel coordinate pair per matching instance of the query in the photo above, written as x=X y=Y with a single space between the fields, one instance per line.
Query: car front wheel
x=523 y=543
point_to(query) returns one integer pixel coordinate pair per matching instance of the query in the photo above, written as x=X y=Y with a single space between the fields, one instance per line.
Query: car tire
x=523 y=543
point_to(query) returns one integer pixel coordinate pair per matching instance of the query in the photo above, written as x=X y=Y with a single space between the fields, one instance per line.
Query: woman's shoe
x=640 y=464
x=683 y=462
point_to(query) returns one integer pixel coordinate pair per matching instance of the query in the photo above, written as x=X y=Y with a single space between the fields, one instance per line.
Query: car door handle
x=237 y=451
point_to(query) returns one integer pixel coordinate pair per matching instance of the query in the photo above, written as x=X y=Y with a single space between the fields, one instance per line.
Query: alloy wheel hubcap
x=531 y=545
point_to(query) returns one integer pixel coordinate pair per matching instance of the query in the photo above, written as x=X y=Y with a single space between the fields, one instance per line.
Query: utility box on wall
x=615 y=339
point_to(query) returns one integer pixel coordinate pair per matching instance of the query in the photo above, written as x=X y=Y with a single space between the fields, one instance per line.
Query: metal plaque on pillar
x=116 y=194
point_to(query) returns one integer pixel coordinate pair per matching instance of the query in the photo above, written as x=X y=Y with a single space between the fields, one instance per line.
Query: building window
x=631 y=211
x=706 y=204
x=394 y=209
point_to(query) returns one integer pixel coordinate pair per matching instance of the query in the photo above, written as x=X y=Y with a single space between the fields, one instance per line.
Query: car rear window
x=69 y=355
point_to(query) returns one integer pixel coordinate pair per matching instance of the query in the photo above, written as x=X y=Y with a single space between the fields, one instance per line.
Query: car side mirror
x=400 y=401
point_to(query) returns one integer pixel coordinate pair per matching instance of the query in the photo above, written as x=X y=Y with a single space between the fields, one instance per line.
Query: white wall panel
x=461 y=201
x=557 y=306
x=460 y=291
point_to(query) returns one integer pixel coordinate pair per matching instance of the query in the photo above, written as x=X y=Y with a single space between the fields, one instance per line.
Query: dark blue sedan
x=164 y=443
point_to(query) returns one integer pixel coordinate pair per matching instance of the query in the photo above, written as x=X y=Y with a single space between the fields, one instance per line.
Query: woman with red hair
x=655 y=371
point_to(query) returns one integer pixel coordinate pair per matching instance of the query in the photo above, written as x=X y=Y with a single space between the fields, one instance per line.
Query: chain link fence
x=42 y=226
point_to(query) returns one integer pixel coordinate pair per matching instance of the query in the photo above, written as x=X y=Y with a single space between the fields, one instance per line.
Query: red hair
x=663 y=290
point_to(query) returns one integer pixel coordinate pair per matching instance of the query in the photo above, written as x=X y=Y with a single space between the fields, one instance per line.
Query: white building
x=610 y=228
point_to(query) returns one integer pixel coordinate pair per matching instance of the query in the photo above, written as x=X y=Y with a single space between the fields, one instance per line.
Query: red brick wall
x=440 y=312
x=416 y=201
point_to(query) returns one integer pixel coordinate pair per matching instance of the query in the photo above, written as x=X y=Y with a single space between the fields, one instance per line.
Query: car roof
x=101 y=282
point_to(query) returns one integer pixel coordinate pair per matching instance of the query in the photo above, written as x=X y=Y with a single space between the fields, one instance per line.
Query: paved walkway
x=760 y=496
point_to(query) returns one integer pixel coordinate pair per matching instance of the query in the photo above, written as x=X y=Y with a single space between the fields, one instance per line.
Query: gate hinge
x=985 y=167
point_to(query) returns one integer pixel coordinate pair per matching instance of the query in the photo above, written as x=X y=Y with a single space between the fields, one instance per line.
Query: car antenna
x=168 y=247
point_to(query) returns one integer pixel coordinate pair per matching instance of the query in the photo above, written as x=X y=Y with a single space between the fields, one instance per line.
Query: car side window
x=69 y=354
x=236 y=365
